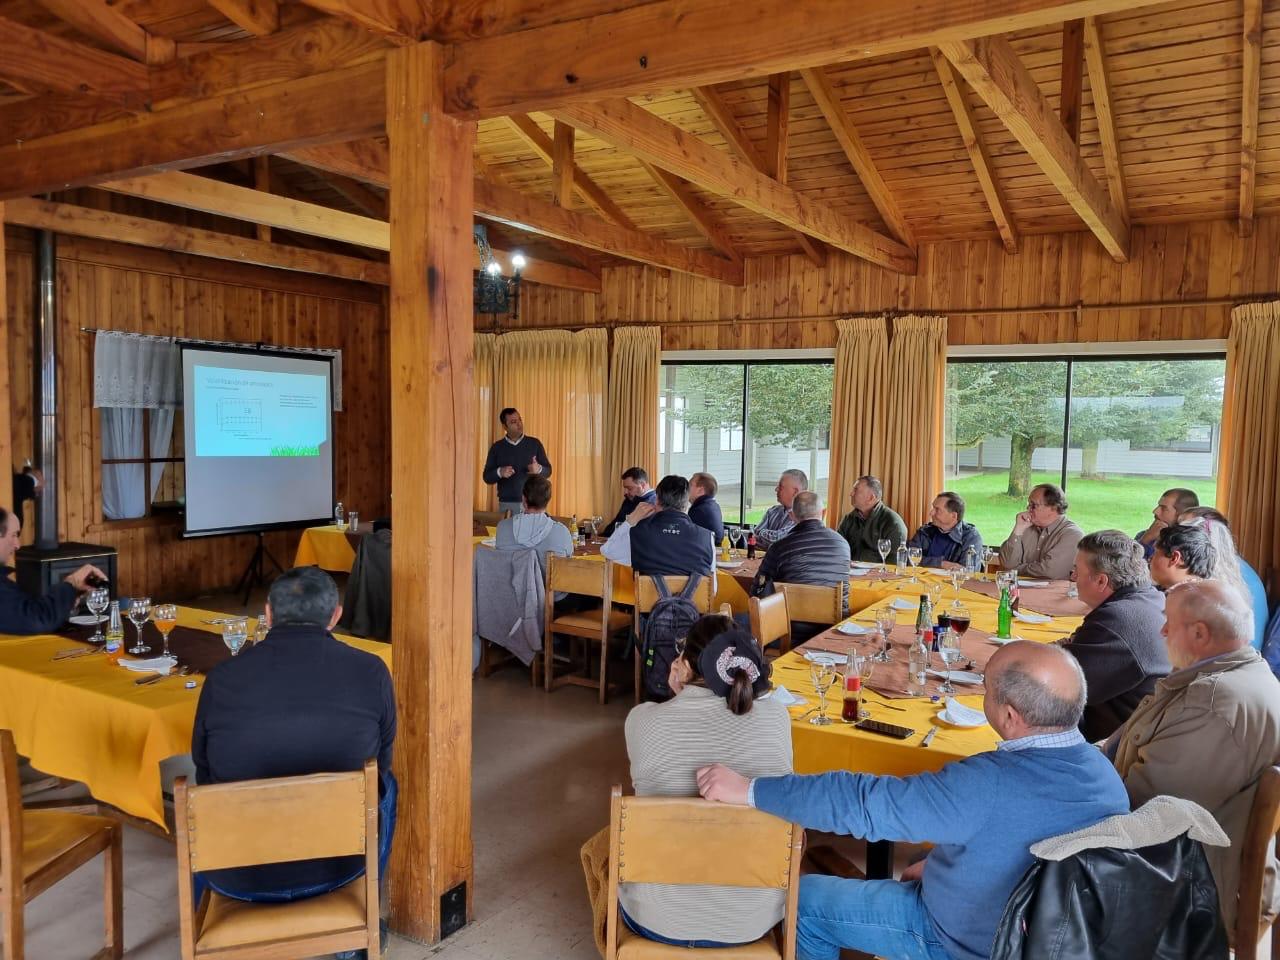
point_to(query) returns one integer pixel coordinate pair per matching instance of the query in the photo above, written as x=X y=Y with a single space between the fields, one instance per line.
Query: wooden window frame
x=151 y=517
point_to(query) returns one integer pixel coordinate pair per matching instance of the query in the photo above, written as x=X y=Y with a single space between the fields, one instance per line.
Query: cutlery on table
x=156 y=677
x=928 y=737
x=74 y=653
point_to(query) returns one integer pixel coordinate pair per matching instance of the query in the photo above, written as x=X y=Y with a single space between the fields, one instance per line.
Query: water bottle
x=339 y=515
x=971 y=560
x=114 y=644
x=917 y=664
x=902 y=558
x=1004 y=615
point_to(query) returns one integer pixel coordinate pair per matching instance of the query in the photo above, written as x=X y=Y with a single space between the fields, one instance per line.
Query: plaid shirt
x=1044 y=741
x=776 y=524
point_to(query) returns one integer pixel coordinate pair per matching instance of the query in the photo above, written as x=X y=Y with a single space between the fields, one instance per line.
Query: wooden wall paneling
x=7 y=460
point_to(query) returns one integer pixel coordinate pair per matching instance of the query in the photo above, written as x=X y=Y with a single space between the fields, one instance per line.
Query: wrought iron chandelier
x=494 y=293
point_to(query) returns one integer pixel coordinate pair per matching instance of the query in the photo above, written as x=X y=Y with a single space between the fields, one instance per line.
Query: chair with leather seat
x=647 y=596
x=770 y=622
x=40 y=847
x=682 y=840
x=585 y=577
x=281 y=820
x=1261 y=838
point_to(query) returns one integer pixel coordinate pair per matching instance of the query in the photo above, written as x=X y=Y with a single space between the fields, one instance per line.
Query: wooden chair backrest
x=769 y=619
x=488 y=518
x=11 y=882
x=647 y=593
x=810 y=604
x=581 y=575
x=1259 y=840
x=695 y=841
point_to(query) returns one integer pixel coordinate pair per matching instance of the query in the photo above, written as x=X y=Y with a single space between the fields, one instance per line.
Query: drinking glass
x=935 y=595
x=989 y=555
x=97 y=601
x=958 y=578
x=822 y=676
x=234 y=633
x=883 y=547
x=139 y=611
x=260 y=629
x=886 y=620
x=353 y=521
x=166 y=618
x=913 y=555
x=949 y=649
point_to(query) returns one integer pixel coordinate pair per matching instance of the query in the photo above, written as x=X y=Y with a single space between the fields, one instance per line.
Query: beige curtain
x=633 y=402
x=556 y=379
x=856 y=407
x=1249 y=467
x=915 y=386
x=486 y=417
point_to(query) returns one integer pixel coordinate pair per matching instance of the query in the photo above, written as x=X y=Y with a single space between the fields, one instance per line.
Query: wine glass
x=822 y=676
x=235 y=631
x=882 y=546
x=886 y=620
x=98 y=599
x=949 y=649
x=166 y=618
x=958 y=577
x=935 y=595
x=989 y=555
x=139 y=611
x=914 y=554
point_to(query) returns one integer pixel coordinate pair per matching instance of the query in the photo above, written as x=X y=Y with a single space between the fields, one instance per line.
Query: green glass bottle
x=1004 y=616
x=924 y=618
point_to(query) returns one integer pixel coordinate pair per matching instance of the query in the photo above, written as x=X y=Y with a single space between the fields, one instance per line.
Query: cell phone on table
x=885 y=729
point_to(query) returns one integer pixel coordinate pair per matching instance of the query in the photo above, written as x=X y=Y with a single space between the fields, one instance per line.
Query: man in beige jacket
x=1210 y=728
x=1043 y=541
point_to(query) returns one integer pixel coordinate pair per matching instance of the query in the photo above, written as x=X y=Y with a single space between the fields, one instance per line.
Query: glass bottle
x=339 y=516
x=924 y=618
x=114 y=644
x=573 y=528
x=900 y=559
x=1004 y=615
x=851 y=710
x=917 y=664
x=724 y=549
x=751 y=545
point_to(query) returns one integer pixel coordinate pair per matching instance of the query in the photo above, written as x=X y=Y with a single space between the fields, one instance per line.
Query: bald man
x=982 y=814
x=1210 y=728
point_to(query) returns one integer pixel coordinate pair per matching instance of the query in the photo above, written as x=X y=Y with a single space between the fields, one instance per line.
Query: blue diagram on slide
x=259 y=413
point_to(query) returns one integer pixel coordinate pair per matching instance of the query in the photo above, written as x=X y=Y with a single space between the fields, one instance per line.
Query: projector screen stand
x=255 y=573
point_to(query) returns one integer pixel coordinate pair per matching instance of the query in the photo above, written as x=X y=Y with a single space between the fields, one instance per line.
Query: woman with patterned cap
x=719 y=676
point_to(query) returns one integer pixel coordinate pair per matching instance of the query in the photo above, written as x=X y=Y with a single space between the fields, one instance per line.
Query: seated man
x=703 y=508
x=871 y=521
x=1182 y=552
x=946 y=540
x=982 y=813
x=1172 y=502
x=23 y=614
x=1230 y=567
x=635 y=491
x=1119 y=644
x=662 y=540
x=811 y=553
x=299 y=702
x=1211 y=727
x=1043 y=541
x=777 y=520
x=533 y=529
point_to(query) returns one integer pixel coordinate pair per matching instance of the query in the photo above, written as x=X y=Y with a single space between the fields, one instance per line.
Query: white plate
x=822 y=657
x=87 y=620
x=865 y=565
x=1026 y=616
x=785 y=697
x=854 y=629
x=961 y=677
x=858 y=572
x=728 y=564
x=901 y=603
x=940 y=571
x=1001 y=641
x=958 y=715
x=489 y=541
x=1035 y=583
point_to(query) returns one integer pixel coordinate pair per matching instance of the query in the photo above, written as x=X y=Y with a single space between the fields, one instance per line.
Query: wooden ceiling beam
x=258 y=17
x=677 y=44
x=588 y=189
x=97 y=19
x=702 y=218
x=1251 y=70
x=371 y=204
x=261 y=181
x=636 y=131
x=976 y=147
x=777 y=127
x=562 y=165
x=997 y=75
x=1095 y=54
x=828 y=101
x=340 y=105
x=47 y=62
x=1072 y=84
x=400 y=21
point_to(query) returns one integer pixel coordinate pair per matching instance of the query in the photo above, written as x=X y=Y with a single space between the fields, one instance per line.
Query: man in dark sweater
x=810 y=553
x=21 y=613
x=663 y=542
x=635 y=491
x=1119 y=644
x=513 y=459
x=300 y=702
x=946 y=540
x=703 y=508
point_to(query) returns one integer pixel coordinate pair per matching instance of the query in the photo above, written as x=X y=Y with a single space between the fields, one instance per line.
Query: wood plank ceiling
x=1174 y=79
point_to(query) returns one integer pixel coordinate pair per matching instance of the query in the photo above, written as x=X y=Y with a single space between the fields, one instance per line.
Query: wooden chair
x=809 y=604
x=1260 y=839
x=770 y=622
x=694 y=841
x=40 y=847
x=647 y=596
x=586 y=577
x=273 y=821
x=487 y=518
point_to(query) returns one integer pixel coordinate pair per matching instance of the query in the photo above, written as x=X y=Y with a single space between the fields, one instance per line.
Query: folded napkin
x=1026 y=616
x=957 y=713
x=958 y=676
x=823 y=657
x=902 y=603
x=160 y=665
x=852 y=629
x=785 y=697
x=1035 y=583
x=858 y=571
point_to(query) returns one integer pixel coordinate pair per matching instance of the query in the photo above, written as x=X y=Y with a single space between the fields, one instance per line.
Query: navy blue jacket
x=23 y=614
x=705 y=512
x=504 y=453
x=624 y=511
x=937 y=547
x=669 y=544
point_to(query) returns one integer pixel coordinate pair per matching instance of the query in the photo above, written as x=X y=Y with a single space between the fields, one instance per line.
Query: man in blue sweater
x=982 y=813
x=514 y=459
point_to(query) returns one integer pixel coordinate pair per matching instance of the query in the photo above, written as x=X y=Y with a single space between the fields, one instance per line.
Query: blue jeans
x=650 y=935
x=882 y=917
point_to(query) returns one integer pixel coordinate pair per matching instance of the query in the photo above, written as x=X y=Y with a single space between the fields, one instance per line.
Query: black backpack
x=668 y=621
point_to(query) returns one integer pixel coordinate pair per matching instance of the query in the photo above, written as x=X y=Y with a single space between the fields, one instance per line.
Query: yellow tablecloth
x=838 y=746
x=325 y=547
x=85 y=719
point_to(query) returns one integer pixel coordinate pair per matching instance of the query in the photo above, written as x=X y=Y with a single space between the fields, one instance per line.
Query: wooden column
x=432 y=462
x=6 y=425
x=262 y=181
x=1072 y=77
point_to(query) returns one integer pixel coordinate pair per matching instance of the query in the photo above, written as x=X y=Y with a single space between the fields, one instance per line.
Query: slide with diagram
x=259 y=413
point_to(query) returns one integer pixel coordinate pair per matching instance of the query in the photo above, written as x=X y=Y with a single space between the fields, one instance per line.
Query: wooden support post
x=262 y=181
x=562 y=167
x=6 y=427
x=777 y=126
x=432 y=462
x=1072 y=77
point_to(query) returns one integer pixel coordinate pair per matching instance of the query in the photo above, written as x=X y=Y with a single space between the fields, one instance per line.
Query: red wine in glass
x=960 y=623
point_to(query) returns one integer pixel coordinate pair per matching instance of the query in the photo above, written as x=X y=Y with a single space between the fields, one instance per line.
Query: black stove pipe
x=45 y=381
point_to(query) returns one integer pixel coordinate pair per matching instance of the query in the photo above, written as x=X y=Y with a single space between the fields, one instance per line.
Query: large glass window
x=744 y=423
x=1115 y=434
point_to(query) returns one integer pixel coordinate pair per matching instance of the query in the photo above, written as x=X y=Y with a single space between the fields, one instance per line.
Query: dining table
x=77 y=715
x=328 y=548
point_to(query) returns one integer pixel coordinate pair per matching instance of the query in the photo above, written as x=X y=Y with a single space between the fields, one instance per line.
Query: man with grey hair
x=871 y=521
x=981 y=813
x=778 y=520
x=1210 y=728
x=1119 y=643
x=811 y=553
x=299 y=702
x=1043 y=541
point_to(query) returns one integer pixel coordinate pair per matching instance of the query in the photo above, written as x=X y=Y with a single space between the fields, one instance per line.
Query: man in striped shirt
x=778 y=519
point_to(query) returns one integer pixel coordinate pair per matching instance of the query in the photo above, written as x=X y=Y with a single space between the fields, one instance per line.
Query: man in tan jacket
x=1043 y=541
x=1211 y=727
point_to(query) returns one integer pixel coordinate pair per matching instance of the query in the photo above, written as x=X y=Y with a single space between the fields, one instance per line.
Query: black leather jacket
x=1156 y=903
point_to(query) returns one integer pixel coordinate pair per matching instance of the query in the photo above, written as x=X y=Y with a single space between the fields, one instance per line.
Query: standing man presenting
x=512 y=460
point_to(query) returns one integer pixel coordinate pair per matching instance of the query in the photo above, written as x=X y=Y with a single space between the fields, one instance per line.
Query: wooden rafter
x=562 y=165
x=262 y=181
x=828 y=101
x=777 y=129
x=1251 y=64
x=1072 y=86
x=400 y=21
x=997 y=75
x=976 y=147
x=722 y=118
x=636 y=131
x=258 y=17
x=371 y=204
x=1095 y=54
x=97 y=19
x=588 y=189
x=702 y=218
x=32 y=59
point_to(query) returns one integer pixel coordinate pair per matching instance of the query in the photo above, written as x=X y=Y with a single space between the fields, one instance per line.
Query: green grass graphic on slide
x=287 y=451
